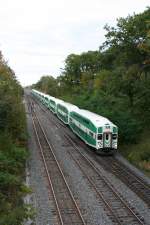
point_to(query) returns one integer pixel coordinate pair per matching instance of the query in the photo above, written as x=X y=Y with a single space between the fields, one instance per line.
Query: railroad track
x=121 y=171
x=134 y=182
x=67 y=208
x=121 y=212
x=117 y=208
x=114 y=166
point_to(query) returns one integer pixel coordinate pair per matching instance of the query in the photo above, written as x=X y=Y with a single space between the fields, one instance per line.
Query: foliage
x=114 y=81
x=139 y=153
x=47 y=84
x=12 y=150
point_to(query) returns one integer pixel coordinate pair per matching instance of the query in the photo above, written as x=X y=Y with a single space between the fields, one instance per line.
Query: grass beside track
x=139 y=154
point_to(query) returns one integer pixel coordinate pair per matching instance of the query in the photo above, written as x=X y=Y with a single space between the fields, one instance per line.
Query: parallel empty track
x=135 y=183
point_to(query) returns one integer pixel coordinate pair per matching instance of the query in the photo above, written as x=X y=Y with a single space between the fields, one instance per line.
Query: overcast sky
x=37 y=35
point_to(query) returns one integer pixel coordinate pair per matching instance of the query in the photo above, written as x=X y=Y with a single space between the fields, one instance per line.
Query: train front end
x=107 y=138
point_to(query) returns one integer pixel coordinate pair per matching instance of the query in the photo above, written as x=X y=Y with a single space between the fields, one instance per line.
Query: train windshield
x=99 y=136
x=107 y=137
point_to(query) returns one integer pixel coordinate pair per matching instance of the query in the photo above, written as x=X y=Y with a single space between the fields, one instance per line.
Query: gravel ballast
x=42 y=199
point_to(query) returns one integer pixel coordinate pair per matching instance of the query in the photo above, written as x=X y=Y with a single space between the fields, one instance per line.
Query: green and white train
x=93 y=129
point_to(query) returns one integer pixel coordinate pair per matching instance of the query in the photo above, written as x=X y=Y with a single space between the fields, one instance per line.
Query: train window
x=114 y=136
x=107 y=137
x=100 y=136
x=86 y=121
x=90 y=133
x=76 y=116
x=107 y=126
x=114 y=129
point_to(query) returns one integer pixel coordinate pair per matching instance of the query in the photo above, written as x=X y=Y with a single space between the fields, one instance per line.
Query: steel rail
x=126 y=175
x=69 y=190
x=96 y=189
x=126 y=170
x=46 y=169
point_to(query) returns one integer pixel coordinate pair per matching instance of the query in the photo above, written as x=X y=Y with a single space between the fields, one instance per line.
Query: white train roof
x=52 y=98
x=49 y=97
x=38 y=92
x=45 y=95
x=35 y=91
x=57 y=100
x=96 y=119
x=69 y=106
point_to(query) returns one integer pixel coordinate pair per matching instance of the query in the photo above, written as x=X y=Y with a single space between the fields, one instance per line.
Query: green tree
x=47 y=84
x=12 y=148
x=127 y=36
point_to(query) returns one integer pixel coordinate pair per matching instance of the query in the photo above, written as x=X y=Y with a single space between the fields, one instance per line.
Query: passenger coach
x=63 y=111
x=95 y=130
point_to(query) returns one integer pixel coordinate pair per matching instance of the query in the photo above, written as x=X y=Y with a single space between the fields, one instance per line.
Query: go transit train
x=95 y=130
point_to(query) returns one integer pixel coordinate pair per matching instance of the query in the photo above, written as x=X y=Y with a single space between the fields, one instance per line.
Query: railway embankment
x=139 y=154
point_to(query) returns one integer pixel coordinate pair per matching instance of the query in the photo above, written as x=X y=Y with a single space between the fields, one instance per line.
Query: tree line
x=13 y=151
x=113 y=81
